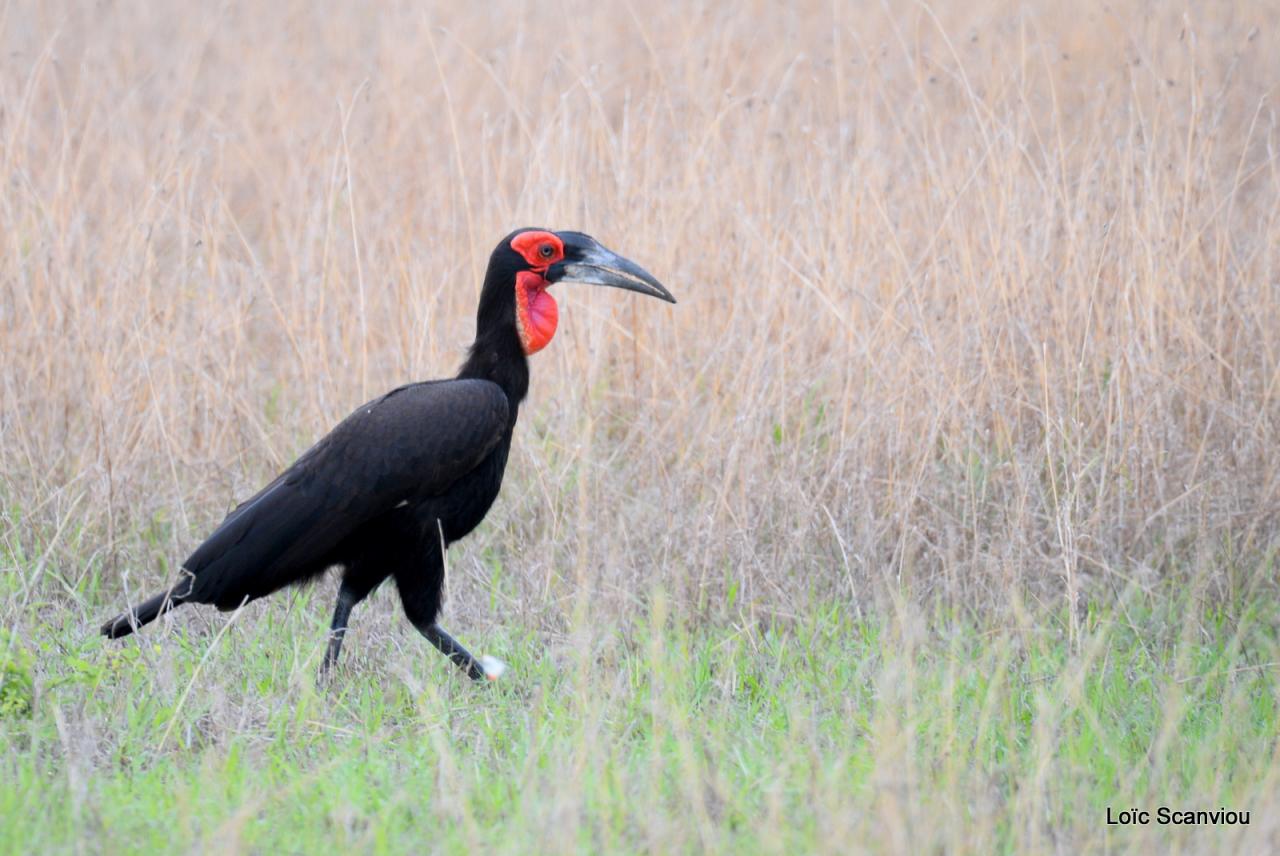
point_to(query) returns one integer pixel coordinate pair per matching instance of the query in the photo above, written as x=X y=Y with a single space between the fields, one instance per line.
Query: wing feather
x=414 y=441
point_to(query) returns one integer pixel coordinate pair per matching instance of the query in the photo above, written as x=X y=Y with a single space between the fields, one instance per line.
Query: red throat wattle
x=536 y=311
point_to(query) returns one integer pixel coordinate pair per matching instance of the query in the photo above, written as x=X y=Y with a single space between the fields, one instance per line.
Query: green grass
x=912 y=733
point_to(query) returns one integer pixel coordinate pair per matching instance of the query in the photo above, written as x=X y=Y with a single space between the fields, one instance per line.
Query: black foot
x=487 y=668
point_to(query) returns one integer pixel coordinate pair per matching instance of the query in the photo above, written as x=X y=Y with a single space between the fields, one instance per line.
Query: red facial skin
x=536 y=311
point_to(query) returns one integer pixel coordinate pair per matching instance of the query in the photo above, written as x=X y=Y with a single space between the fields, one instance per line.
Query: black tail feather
x=147 y=611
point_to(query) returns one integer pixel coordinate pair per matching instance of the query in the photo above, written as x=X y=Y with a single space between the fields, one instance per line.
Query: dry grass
x=974 y=299
x=977 y=303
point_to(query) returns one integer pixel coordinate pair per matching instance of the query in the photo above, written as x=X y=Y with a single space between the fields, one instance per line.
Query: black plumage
x=405 y=475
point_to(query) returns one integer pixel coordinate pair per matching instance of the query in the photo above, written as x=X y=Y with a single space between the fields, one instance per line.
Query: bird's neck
x=496 y=355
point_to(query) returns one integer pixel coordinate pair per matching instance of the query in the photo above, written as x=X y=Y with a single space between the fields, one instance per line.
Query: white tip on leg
x=493 y=667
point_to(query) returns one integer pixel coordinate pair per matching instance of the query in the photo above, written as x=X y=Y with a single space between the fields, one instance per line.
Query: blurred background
x=978 y=302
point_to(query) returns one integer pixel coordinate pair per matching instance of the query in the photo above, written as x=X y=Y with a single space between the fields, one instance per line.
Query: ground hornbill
x=407 y=474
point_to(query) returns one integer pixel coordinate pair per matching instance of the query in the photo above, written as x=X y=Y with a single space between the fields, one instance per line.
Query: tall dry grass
x=976 y=301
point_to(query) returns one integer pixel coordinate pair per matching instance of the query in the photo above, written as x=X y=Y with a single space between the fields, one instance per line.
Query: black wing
x=414 y=441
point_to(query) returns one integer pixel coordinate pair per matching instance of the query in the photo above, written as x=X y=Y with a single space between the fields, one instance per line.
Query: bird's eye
x=546 y=251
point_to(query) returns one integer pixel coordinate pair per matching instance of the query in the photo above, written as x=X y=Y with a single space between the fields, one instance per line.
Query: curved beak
x=585 y=260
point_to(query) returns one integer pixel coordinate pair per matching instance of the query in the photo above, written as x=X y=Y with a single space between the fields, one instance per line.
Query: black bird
x=407 y=474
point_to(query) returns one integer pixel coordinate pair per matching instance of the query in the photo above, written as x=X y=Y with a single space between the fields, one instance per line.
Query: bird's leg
x=450 y=648
x=420 y=594
x=347 y=598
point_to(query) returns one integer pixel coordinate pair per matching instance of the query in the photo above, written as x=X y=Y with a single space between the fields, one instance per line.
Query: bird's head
x=529 y=261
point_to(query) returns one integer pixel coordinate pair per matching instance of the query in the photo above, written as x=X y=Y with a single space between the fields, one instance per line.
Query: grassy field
x=940 y=515
x=907 y=732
